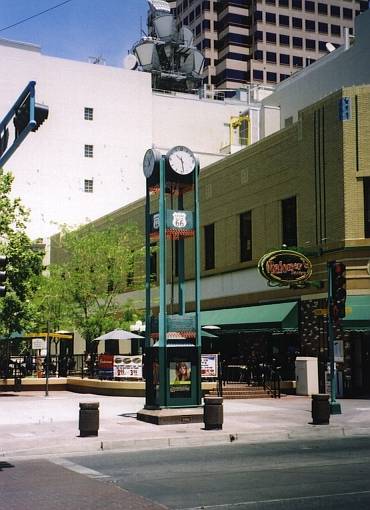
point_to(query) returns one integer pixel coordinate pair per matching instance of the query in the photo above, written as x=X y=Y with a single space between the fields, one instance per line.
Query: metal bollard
x=17 y=383
x=213 y=413
x=320 y=409
x=89 y=419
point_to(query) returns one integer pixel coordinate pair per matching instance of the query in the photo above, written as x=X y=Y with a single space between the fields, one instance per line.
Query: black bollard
x=320 y=409
x=213 y=413
x=89 y=419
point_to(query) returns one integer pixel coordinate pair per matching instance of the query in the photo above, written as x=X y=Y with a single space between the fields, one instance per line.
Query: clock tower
x=173 y=334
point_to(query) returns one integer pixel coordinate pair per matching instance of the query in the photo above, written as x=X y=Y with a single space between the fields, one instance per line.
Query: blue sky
x=77 y=30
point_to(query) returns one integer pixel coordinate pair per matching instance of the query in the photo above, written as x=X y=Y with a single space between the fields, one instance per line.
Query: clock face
x=151 y=158
x=181 y=160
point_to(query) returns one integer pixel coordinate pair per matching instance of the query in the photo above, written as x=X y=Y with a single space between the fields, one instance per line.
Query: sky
x=78 y=29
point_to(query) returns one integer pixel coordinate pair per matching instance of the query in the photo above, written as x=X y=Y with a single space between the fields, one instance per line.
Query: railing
x=261 y=374
x=272 y=380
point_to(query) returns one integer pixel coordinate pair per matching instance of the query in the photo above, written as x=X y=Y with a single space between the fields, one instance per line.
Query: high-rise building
x=264 y=41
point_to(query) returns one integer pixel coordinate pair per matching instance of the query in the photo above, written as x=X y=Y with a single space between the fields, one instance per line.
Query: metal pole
x=197 y=282
x=180 y=265
x=334 y=405
x=162 y=326
x=47 y=361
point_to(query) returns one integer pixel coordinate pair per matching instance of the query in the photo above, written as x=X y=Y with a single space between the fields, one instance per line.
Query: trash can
x=213 y=413
x=320 y=409
x=89 y=419
x=17 y=383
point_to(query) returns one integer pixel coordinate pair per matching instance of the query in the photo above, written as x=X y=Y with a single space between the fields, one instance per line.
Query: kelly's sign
x=285 y=267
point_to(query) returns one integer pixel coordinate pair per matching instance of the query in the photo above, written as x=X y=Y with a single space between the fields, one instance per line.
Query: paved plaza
x=32 y=424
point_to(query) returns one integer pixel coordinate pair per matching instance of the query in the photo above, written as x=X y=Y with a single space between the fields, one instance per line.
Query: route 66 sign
x=179 y=219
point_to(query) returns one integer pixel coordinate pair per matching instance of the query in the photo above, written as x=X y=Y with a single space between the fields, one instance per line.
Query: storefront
x=252 y=335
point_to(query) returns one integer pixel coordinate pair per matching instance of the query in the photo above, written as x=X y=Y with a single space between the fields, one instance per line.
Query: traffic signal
x=3 y=262
x=4 y=138
x=339 y=293
x=22 y=116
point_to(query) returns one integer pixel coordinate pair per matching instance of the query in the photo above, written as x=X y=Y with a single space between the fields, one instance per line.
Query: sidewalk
x=33 y=425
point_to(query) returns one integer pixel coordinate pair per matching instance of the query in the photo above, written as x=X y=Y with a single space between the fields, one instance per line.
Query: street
x=298 y=474
x=287 y=475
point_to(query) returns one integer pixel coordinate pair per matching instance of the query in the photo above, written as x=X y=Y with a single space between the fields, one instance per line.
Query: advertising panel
x=105 y=365
x=209 y=365
x=128 y=367
x=180 y=378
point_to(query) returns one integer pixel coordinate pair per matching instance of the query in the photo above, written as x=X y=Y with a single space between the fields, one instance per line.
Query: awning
x=357 y=314
x=276 y=317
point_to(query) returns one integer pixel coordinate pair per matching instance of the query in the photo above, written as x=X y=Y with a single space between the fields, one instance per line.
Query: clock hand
x=182 y=163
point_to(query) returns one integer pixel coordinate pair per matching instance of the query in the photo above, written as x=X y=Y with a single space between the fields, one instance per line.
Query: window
x=258 y=55
x=89 y=113
x=289 y=221
x=322 y=9
x=270 y=37
x=270 y=18
x=257 y=75
x=297 y=62
x=89 y=151
x=283 y=20
x=310 y=25
x=271 y=57
x=245 y=220
x=335 y=11
x=284 y=77
x=284 y=40
x=367 y=206
x=271 y=77
x=310 y=44
x=271 y=2
x=322 y=46
x=258 y=35
x=335 y=30
x=347 y=13
x=297 y=42
x=323 y=28
x=297 y=4
x=88 y=186
x=209 y=246
x=297 y=22
x=309 y=6
x=284 y=59
x=258 y=16
x=283 y=3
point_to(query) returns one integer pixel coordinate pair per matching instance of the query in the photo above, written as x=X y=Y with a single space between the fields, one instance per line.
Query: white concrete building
x=86 y=159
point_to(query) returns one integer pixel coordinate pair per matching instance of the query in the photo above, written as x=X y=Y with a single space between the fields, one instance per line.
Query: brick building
x=306 y=186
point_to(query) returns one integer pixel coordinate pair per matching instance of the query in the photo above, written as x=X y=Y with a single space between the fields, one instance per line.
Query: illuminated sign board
x=285 y=267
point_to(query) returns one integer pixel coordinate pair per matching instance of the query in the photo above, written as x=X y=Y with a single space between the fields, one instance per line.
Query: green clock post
x=172 y=340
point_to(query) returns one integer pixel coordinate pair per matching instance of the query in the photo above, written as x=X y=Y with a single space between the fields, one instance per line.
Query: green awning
x=275 y=317
x=357 y=313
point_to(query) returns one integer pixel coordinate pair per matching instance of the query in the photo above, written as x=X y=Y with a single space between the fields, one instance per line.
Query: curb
x=95 y=445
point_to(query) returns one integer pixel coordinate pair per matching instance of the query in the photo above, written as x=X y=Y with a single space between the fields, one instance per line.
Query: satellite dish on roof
x=130 y=61
x=159 y=5
x=330 y=47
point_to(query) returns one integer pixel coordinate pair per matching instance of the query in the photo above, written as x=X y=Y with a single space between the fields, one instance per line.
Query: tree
x=97 y=266
x=24 y=263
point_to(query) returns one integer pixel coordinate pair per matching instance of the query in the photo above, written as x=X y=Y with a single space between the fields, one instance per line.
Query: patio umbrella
x=118 y=334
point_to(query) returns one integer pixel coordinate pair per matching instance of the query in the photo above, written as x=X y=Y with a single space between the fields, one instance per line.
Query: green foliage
x=83 y=291
x=24 y=263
